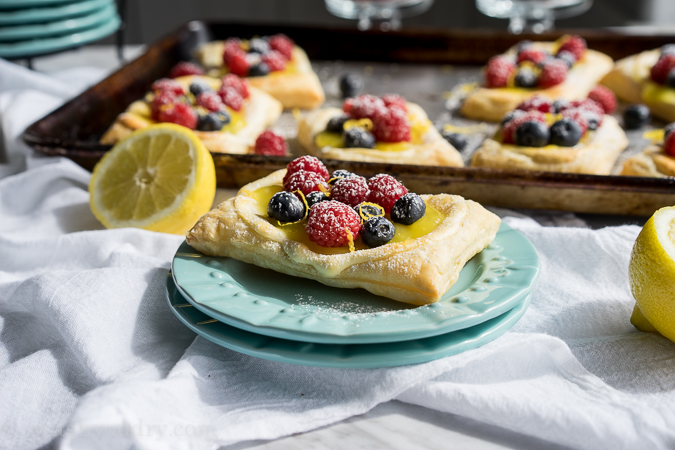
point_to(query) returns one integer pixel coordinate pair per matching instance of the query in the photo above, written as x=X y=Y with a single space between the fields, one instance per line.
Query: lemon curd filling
x=237 y=118
x=296 y=231
x=656 y=93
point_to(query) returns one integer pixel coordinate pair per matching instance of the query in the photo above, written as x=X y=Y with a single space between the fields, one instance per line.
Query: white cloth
x=92 y=358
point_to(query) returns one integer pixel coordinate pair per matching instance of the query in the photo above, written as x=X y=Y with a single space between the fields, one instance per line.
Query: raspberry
x=283 y=44
x=604 y=97
x=391 y=126
x=576 y=45
x=536 y=103
x=662 y=67
x=668 y=129
x=554 y=72
x=180 y=114
x=352 y=190
x=162 y=98
x=209 y=100
x=669 y=145
x=239 y=64
x=231 y=98
x=347 y=105
x=269 y=143
x=233 y=81
x=510 y=127
x=498 y=71
x=308 y=163
x=328 y=224
x=385 y=190
x=232 y=47
x=304 y=182
x=366 y=106
x=185 y=68
x=274 y=60
x=395 y=101
x=591 y=110
x=167 y=84
x=577 y=115
x=531 y=54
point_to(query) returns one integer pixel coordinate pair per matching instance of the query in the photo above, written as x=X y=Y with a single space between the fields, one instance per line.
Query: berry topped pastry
x=376 y=129
x=564 y=69
x=657 y=160
x=347 y=231
x=227 y=114
x=271 y=63
x=557 y=136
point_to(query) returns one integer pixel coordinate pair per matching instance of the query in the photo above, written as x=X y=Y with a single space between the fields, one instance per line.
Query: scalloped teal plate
x=273 y=304
x=50 y=13
x=345 y=356
x=24 y=4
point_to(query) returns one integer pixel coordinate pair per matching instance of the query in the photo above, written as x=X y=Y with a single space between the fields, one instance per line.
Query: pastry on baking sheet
x=642 y=78
x=573 y=137
x=564 y=69
x=657 y=160
x=373 y=129
x=268 y=225
x=271 y=63
x=226 y=114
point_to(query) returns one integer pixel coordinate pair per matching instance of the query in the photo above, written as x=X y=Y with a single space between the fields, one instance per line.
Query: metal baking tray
x=422 y=65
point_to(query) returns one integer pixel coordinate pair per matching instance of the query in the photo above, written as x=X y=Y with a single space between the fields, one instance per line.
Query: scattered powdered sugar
x=357 y=310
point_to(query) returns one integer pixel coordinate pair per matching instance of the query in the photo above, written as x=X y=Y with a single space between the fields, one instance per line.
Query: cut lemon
x=652 y=275
x=160 y=178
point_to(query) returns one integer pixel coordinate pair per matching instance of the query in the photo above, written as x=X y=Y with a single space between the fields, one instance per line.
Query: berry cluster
x=532 y=67
x=663 y=72
x=343 y=206
x=257 y=57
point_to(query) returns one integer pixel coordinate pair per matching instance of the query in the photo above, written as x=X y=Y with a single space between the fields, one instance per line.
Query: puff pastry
x=259 y=112
x=417 y=271
x=595 y=155
x=296 y=87
x=432 y=151
x=492 y=104
x=651 y=162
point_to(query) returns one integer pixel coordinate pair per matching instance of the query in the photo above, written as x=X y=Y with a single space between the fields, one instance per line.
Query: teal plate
x=50 y=13
x=346 y=356
x=270 y=303
x=23 y=4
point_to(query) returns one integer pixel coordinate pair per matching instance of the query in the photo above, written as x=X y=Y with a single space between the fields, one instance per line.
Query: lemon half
x=652 y=274
x=160 y=178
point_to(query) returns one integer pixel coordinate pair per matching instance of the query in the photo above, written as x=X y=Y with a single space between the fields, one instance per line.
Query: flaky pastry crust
x=417 y=271
x=595 y=156
x=651 y=162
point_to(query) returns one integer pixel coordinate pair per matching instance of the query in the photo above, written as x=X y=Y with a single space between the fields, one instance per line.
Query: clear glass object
x=383 y=14
x=534 y=16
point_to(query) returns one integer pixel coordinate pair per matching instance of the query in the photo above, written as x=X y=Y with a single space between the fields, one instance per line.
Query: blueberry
x=315 y=197
x=213 y=121
x=366 y=210
x=670 y=79
x=455 y=139
x=560 y=105
x=408 y=209
x=565 y=133
x=257 y=45
x=525 y=78
x=198 y=87
x=531 y=134
x=567 y=57
x=668 y=49
x=593 y=121
x=350 y=85
x=286 y=207
x=358 y=138
x=511 y=115
x=668 y=129
x=336 y=124
x=636 y=116
x=377 y=231
x=340 y=173
x=259 y=70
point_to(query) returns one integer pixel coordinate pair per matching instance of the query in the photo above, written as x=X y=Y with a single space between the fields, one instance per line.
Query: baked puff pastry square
x=416 y=270
x=257 y=112
x=654 y=161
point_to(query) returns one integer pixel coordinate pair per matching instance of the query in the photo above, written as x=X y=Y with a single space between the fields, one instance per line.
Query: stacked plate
x=37 y=27
x=273 y=316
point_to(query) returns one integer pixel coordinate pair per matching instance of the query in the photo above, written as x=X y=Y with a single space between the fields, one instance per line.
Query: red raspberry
x=577 y=115
x=185 y=68
x=167 y=84
x=308 y=163
x=576 y=45
x=510 y=127
x=590 y=108
x=180 y=114
x=304 y=182
x=351 y=190
x=209 y=100
x=391 y=126
x=274 y=60
x=231 y=98
x=329 y=221
x=347 y=105
x=232 y=47
x=531 y=54
x=554 y=72
x=162 y=98
x=366 y=106
x=536 y=103
x=239 y=64
x=669 y=145
x=283 y=44
x=395 y=101
x=662 y=67
x=385 y=190
x=498 y=71
x=604 y=97
x=270 y=143
x=233 y=81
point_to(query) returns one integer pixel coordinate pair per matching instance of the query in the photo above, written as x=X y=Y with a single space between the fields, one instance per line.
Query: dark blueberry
x=511 y=115
x=315 y=197
x=593 y=121
x=213 y=121
x=636 y=116
x=366 y=210
x=565 y=133
x=286 y=207
x=567 y=57
x=525 y=78
x=522 y=45
x=670 y=79
x=531 y=134
x=358 y=138
x=259 y=70
x=340 y=173
x=377 y=231
x=408 y=209
x=336 y=124
x=455 y=139
x=668 y=129
x=350 y=85
x=668 y=49
x=257 y=45
x=198 y=87
x=560 y=105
